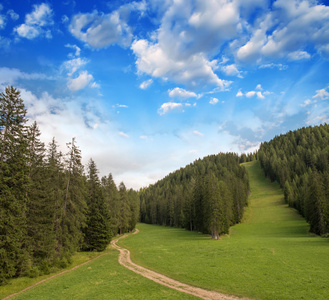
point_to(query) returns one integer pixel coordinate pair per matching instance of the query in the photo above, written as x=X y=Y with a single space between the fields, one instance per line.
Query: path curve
x=124 y=260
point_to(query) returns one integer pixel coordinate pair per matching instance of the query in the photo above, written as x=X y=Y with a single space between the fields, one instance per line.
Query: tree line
x=298 y=161
x=49 y=206
x=208 y=195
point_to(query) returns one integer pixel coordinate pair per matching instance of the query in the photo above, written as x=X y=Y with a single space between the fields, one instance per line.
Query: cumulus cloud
x=73 y=65
x=286 y=31
x=37 y=23
x=322 y=94
x=259 y=93
x=189 y=36
x=181 y=93
x=14 y=16
x=146 y=84
x=80 y=82
x=100 y=30
x=169 y=106
x=231 y=70
x=195 y=70
x=213 y=101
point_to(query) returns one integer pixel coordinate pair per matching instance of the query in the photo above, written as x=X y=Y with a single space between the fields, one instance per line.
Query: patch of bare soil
x=124 y=259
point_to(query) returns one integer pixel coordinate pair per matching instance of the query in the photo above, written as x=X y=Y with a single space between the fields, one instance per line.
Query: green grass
x=270 y=255
x=103 y=278
x=18 y=284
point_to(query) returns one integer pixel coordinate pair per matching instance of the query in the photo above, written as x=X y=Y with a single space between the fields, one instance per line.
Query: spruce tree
x=97 y=234
x=14 y=258
x=40 y=207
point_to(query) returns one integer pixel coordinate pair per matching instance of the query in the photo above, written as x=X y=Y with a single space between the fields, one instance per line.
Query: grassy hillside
x=269 y=256
x=103 y=278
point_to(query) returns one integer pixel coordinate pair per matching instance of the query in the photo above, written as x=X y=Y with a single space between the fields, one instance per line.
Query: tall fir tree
x=14 y=258
x=97 y=233
x=40 y=207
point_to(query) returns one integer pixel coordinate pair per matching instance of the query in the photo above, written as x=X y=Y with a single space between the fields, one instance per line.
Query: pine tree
x=97 y=233
x=55 y=192
x=125 y=212
x=40 y=207
x=14 y=258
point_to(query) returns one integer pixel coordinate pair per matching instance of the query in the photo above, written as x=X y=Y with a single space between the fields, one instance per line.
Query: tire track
x=124 y=260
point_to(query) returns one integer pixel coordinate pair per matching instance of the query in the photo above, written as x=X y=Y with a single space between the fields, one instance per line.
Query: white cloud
x=168 y=106
x=122 y=134
x=146 y=84
x=281 y=67
x=298 y=55
x=101 y=30
x=73 y=65
x=306 y=103
x=65 y=19
x=250 y=94
x=258 y=93
x=194 y=70
x=231 y=70
x=213 y=101
x=35 y=23
x=2 y=21
x=74 y=47
x=9 y=76
x=181 y=93
x=322 y=94
x=189 y=36
x=80 y=82
x=195 y=132
x=286 y=31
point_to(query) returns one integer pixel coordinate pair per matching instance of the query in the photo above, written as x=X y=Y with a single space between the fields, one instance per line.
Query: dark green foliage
x=208 y=195
x=48 y=207
x=298 y=160
x=97 y=232
x=13 y=185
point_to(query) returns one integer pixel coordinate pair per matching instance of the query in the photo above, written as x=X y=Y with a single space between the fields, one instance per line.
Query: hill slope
x=298 y=160
x=269 y=256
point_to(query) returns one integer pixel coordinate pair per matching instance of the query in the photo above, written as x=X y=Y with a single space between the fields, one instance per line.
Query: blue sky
x=147 y=87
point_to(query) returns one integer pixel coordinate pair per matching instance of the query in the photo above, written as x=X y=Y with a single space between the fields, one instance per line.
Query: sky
x=147 y=87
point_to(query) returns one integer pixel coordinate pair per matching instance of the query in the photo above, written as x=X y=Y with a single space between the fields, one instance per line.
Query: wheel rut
x=125 y=260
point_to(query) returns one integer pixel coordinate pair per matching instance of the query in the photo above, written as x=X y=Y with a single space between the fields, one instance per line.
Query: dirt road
x=124 y=259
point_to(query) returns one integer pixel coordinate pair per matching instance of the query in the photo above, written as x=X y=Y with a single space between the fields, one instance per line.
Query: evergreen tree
x=14 y=258
x=97 y=233
x=125 y=213
x=74 y=204
x=40 y=208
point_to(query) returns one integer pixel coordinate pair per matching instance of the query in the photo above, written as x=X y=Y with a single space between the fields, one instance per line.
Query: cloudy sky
x=149 y=86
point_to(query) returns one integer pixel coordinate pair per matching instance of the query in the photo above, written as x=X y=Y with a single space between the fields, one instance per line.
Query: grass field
x=103 y=278
x=269 y=256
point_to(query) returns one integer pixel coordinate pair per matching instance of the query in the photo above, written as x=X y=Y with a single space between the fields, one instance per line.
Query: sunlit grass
x=104 y=278
x=269 y=256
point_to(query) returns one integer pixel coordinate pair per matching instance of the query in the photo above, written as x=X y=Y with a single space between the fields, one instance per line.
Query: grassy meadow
x=103 y=278
x=270 y=255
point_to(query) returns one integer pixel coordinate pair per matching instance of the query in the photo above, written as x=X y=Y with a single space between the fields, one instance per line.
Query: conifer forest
x=52 y=206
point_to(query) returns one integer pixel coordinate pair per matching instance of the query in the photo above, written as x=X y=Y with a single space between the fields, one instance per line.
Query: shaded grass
x=103 y=278
x=17 y=284
x=270 y=255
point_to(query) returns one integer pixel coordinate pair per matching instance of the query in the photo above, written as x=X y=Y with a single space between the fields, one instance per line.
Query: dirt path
x=124 y=259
